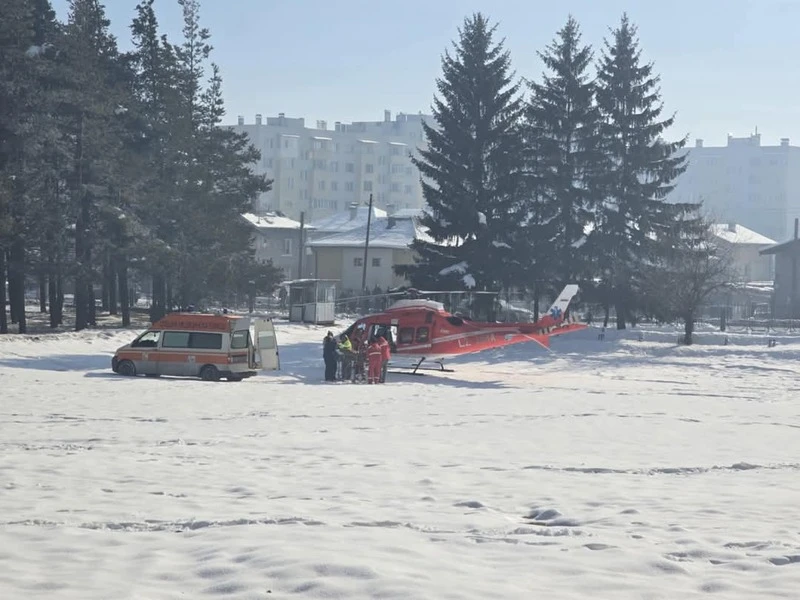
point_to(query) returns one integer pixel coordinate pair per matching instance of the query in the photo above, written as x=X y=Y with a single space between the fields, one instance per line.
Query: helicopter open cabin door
x=265 y=345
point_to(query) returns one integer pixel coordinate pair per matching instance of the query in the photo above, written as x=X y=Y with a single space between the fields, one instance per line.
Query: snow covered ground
x=608 y=469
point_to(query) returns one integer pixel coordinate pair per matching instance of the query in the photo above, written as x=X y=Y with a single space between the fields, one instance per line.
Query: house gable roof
x=346 y=220
x=733 y=233
x=384 y=232
x=272 y=221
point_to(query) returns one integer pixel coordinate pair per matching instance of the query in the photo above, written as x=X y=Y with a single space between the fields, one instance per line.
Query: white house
x=744 y=246
x=341 y=256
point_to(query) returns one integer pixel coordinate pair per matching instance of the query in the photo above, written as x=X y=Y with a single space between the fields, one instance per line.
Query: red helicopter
x=421 y=329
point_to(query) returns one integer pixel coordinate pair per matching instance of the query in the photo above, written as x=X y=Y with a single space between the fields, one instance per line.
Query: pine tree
x=563 y=130
x=92 y=107
x=632 y=215
x=473 y=168
x=27 y=135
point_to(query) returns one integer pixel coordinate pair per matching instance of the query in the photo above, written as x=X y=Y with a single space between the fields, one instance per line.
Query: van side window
x=406 y=335
x=422 y=335
x=175 y=339
x=206 y=341
x=239 y=340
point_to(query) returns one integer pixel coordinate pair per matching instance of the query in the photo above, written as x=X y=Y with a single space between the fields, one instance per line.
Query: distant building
x=277 y=238
x=743 y=245
x=321 y=171
x=786 y=298
x=340 y=256
x=745 y=182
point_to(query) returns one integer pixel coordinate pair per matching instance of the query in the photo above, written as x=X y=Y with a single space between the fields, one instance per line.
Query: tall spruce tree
x=563 y=134
x=473 y=168
x=633 y=217
x=92 y=107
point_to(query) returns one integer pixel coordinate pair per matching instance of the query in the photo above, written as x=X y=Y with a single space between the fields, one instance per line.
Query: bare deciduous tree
x=677 y=284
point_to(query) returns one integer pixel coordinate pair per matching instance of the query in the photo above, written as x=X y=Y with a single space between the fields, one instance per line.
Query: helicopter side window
x=457 y=321
x=423 y=334
x=429 y=317
x=406 y=335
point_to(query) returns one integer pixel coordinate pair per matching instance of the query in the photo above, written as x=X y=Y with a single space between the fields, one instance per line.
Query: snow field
x=614 y=469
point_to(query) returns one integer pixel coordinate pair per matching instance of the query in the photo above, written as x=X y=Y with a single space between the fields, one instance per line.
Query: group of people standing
x=364 y=360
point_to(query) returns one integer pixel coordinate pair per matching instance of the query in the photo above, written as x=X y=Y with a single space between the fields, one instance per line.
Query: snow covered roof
x=733 y=233
x=272 y=221
x=408 y=213
x=401 y=233
x=347 y=220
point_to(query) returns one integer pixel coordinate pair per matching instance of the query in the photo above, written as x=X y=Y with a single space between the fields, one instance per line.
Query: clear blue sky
x=726 y=66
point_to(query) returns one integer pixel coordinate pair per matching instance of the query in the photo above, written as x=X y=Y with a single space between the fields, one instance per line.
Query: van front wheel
x=209 y=373
x=126 y=368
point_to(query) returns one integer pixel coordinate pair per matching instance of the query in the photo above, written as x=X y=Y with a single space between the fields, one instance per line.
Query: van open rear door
x=265 y=345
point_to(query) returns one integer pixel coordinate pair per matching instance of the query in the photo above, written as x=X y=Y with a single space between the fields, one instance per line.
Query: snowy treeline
x=537 y=183
x=114 y=164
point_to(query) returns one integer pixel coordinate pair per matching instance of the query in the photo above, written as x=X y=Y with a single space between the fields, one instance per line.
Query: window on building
x=367 y=186
x=368 y=168
x=396 y=169
x=407 y=189
x=287 y=247
x=334 y=186
x=321 y=185
x=376 y=262
x=358 y=262
x=304 y=175
x=395 y=151
x=349 y=167
x=319 y=164
x=290 y=183
x=408 y=170
x=349 y=186
x=334 y=165
x=395 y=187
x=382 y=160
x=291 y=163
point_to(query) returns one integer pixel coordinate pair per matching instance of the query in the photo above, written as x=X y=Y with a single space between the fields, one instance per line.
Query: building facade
x=320 y=171
x=744 y=182
x=340 y=256
x=742 y=246
x=279 y=239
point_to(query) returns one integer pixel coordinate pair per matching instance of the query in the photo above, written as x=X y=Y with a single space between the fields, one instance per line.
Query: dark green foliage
x=473 y=168
x=114 y=167
x=632 y=214
x=563 y=137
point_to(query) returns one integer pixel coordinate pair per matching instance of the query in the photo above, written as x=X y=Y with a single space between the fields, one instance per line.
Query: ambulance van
x=209 y=346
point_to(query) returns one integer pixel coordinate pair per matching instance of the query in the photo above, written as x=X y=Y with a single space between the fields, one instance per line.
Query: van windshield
x=149 y=339
x=240 y=340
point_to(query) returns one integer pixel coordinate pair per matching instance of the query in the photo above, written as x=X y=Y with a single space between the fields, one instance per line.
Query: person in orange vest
x=386 y=354
x=374 y=358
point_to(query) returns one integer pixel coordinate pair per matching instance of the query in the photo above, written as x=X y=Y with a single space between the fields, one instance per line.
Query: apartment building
x=322 y=171
x=745 y=182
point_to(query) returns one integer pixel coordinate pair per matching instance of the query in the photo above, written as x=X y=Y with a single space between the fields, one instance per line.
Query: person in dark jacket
x=329 y=356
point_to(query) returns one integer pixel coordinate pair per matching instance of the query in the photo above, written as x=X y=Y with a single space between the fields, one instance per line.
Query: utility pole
x=366 y=247
x=302 y=245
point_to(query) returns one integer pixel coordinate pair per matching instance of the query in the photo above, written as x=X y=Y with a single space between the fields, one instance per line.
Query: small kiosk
x=312 y=301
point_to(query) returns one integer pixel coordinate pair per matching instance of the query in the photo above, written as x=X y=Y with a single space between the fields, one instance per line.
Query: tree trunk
x=157 y=299
x=12 y=287
x=620 y=308
x=52 y=295
x=124 y=293
x=92 y=306
x=60 y=297
x=112 y=287
x=3 y=314
x=606 y=313
x=688 y=329
x=83 y=252
x=16 y=274
x=42 y=291
x=536 y=302
x=105 y=286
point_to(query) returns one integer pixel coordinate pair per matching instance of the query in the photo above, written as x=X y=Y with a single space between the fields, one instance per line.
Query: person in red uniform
x=374 y=358
x=386 y=354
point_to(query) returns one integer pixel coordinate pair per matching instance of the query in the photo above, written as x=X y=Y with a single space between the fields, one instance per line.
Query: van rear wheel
x=126 y=368
x=209 y=373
